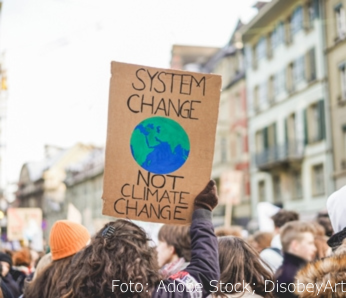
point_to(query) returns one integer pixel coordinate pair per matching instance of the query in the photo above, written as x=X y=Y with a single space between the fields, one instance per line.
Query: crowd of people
x=299 y=259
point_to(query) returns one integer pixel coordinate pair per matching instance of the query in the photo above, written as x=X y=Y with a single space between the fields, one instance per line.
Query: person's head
x=6 y=263
x=322 y=248
x=262 y=240
x=67 y=238
x=297 y=238
x=282 y=217
x=325 y=222
x=42 y=264
x=118 y=251
x=22 y=257
x=239 y=263
x=336 y=207
x=230 y=231
x=174 y=242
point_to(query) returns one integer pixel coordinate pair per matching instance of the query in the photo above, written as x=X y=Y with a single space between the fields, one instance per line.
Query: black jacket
x=285 y=275
x=11 y=285
x=198 y=278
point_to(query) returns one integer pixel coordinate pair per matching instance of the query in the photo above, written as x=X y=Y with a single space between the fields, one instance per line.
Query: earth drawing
x=160 y=145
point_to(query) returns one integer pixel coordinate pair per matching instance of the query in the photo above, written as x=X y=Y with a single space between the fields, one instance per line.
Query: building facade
x=335 y=25
x=231 y=143
x=289 y=122
x=41 y=184
x=191 y=58
x=84 y=184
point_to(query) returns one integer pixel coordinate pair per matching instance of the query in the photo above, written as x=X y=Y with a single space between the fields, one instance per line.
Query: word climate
x=153 y=196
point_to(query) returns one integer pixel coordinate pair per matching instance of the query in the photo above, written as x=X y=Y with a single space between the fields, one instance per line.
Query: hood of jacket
x=323 y=278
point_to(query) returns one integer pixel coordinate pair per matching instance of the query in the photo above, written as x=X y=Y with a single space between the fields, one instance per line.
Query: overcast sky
x=58 y=55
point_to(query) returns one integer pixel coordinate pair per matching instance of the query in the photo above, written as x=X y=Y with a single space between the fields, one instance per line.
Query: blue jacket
x=197 y=278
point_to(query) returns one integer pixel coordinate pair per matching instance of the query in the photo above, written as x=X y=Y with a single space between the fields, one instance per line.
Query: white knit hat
x=336 y=206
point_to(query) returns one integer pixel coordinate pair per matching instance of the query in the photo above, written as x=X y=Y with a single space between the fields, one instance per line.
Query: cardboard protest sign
x=160 y=142
x=25 y=224
x=231 y=183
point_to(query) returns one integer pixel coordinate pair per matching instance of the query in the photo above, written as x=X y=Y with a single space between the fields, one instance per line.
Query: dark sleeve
x=203 y=272
x=5 y=291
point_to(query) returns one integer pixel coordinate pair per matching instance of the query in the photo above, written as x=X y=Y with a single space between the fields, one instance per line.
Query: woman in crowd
x=66 y=239
x=120 y=263
x=173 y=249
x=243 y=273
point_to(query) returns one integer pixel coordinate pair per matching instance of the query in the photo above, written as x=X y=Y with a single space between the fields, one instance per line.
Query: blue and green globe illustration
x=160 y=145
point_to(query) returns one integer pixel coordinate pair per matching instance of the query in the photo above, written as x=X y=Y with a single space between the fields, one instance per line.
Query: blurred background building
x=335 y=49
x=291 y=158
x=282 y=120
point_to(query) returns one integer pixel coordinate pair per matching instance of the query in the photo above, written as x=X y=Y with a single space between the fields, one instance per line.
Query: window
x=277 y=189
x=261 y=48
x=310 y=65
x=290 y=129
x=259 y=141
x=296 y=185
x=263 y=94
x=248 y=56
x=289 y=78
x=318 y=180
x=261 y=191
x=271 y=89
x=223 y=150
x=297 y=20
x=288 y=32
x=314 y=123
x=342 y=70
x=256 y=98
x=344 y=146
x=298 y=70
x=277 y=36
x=254 y=58
x=271 y=135
x=269 y=47
x=279 y=82
x=340 y=21
x=311 y=11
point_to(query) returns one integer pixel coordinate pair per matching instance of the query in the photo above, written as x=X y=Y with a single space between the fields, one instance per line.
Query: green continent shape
x=169 y=131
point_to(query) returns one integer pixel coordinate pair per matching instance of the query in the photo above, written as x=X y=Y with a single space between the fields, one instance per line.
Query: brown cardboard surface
x=130 y=191
x=231 y=184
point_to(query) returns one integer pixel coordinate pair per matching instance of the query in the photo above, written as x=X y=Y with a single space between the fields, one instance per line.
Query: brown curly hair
x=123 y=254
x=44 y=285
x=240 y=262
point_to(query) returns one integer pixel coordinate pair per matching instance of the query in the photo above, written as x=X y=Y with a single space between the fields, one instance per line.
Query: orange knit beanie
x=67 y=238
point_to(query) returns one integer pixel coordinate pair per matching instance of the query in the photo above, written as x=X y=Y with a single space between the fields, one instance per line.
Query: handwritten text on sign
x=155 y=161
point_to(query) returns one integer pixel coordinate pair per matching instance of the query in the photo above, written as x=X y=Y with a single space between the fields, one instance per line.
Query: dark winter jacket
x=285 y=275
x=197 y=279
x=336 y=240
x=11 y=285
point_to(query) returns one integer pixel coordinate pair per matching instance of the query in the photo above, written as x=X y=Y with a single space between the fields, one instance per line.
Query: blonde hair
x=230 y=231
x=294 y=230
x=42 y=264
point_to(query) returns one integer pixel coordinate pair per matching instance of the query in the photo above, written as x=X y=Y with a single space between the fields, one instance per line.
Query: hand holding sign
x=207 y=198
